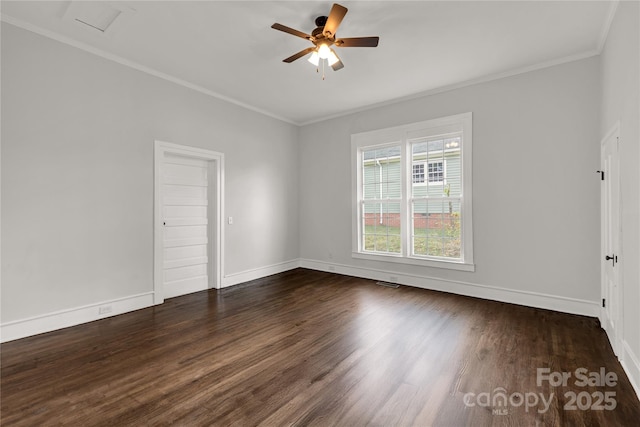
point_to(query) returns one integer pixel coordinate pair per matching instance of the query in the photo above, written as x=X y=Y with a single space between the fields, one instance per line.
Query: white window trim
x=401 y=134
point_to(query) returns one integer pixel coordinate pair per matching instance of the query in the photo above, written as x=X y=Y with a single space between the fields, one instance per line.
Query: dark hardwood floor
x=313 y=348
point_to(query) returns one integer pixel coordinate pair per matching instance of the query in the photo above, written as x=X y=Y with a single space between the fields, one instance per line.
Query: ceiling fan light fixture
x=324 y=51
x=332 y=58
x=314 y=58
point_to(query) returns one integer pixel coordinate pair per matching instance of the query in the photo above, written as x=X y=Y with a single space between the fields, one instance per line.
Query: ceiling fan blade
x=338 y=65
x=333 y=21
x=358 y=42
x=299 y=54
x=288 y=30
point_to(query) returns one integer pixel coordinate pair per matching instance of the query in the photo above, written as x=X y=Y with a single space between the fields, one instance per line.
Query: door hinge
x=601 y=175
x=603 y=303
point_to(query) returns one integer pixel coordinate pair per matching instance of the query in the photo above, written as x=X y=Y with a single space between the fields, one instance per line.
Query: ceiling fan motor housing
x=321 y=21
x=318 y=32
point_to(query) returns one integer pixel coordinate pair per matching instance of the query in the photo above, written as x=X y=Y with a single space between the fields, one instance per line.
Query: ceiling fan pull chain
x=322 y=68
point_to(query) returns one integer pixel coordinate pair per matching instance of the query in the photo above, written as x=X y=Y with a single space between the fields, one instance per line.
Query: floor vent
x=388 y=284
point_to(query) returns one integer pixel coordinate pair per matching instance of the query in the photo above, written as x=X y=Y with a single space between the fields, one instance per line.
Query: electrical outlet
x=105 y=309
x=330 y=255
x=393 y=279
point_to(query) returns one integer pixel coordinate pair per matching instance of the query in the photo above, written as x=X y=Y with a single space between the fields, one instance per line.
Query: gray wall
x=78 y=134
x=621 y=102
x=535 y=150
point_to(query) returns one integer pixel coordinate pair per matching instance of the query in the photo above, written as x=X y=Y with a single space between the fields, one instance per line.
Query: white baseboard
x=65 y=318
x=631 y=365
x=530 y=299
x=258 y=273
x=75 y=316
x=36 y=325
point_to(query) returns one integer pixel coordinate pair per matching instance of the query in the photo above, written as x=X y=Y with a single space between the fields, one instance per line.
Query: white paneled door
x=185 y=192
x=610 y=240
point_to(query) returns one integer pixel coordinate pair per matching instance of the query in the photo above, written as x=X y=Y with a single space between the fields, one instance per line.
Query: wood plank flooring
x=316 y=349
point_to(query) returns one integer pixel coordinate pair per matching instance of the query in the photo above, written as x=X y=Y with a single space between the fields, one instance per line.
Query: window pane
x=435 y=171
x=381 y=227
x=418 y=173
x=436 y=228
x=371 y=190
x=381 y=173
x=452 y=242
x=419 y=227
x=452 y=143
x=441 y=160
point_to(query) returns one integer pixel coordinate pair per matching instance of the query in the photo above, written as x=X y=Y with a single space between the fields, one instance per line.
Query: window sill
x=397 y=259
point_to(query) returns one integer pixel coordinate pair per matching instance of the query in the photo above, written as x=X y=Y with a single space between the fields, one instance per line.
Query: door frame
x=215 y=229
x=614 y=334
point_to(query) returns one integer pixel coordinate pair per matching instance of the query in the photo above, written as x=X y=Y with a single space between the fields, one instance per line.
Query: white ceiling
x=227 y=48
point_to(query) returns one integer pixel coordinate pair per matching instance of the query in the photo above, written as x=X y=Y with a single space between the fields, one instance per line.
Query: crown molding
x=604 y=33
x=447 y=88
x=484 y=79
x=136 y=66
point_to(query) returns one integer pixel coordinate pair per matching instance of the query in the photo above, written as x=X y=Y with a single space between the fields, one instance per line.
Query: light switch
x=230 y=220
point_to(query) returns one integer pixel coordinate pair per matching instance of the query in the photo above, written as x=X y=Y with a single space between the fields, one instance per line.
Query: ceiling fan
x=324 y=36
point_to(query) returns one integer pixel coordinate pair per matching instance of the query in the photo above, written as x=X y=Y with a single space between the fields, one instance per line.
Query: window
x=412 y=194
x=435 y=172
x=418 y=173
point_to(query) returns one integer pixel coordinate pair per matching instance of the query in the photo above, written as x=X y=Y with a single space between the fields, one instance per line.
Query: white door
x=185 y=220
x=610 y=209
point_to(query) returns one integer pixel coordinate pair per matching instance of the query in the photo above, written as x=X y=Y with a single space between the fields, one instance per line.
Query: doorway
x=188 y=197
x=611 y=311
